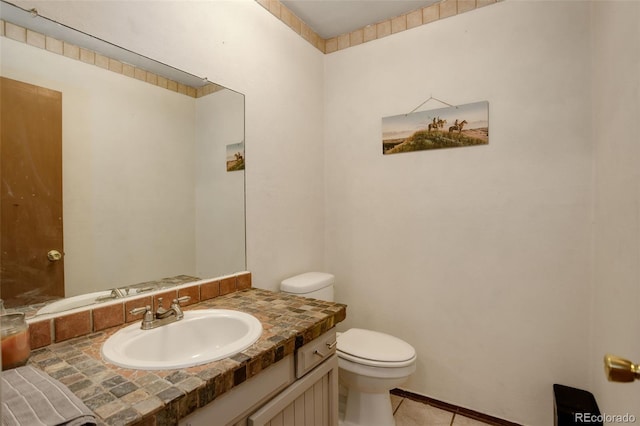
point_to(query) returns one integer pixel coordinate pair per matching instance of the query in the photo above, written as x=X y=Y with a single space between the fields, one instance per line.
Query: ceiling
x=329 y=18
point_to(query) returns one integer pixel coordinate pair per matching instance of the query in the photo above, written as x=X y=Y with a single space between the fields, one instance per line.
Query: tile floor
x=411 y=413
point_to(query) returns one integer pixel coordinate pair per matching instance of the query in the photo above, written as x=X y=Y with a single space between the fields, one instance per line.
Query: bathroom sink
x=201 y=337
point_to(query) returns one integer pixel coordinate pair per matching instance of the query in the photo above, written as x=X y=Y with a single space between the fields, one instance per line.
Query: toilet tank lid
x=307 y=282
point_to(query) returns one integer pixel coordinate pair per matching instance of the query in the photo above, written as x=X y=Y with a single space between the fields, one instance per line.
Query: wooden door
x=31 y=195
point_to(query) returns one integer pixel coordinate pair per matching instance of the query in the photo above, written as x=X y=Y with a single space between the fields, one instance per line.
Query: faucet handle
x=181 y=299
x=147 y=320
x=140 y=310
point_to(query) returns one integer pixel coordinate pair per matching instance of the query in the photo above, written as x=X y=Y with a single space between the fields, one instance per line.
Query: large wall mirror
x=145 y=186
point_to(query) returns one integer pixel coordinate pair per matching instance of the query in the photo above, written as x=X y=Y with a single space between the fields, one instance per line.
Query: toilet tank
x=318 y=285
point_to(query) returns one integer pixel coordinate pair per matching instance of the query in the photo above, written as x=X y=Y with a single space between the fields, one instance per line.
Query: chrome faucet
x=162 y=316
x=174 y=309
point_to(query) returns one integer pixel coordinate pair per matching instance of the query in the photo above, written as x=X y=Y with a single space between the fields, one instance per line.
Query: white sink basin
x=201 y=337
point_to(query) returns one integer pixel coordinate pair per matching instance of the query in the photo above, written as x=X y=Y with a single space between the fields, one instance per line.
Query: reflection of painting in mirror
x=451 y=127
x=235 y=157
x=139 y=196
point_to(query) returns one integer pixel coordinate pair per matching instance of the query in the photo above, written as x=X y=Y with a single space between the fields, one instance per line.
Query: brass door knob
x=54 y=255
x=620 y=370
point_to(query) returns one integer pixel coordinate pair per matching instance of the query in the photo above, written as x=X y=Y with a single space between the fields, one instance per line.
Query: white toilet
x=370 y=363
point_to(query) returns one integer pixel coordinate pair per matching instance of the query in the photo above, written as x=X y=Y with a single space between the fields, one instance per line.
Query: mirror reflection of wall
x=219 y=209
x=146 y=194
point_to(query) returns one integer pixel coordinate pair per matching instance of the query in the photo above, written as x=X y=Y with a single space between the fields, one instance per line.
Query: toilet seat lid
x=380 y=348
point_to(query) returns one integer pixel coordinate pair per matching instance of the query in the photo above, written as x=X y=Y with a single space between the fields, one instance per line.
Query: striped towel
x=30 y=397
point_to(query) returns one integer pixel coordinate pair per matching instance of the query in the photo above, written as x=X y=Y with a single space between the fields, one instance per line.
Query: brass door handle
x=620 y=370
x=54 y=255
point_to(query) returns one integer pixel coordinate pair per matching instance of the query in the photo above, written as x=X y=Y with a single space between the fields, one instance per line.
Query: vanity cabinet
x=299 y=390
x=310 y=401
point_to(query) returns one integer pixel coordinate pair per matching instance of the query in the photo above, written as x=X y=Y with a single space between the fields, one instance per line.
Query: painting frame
x=450 y=127
x=235 y=157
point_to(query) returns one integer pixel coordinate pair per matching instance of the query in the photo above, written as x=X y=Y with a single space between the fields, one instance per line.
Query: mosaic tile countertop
x=121 y=396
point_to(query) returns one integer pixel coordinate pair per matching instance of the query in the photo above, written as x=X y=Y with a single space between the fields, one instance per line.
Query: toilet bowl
x=370 y=363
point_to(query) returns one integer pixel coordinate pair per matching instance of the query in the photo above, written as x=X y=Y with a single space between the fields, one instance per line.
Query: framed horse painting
x=450 y=127
x=235 y=157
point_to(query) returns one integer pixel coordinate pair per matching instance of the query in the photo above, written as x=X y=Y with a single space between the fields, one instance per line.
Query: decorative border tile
x=40 y=334
x=412 y=19
x=59 y=47
x=108 y=316
x=72 y=325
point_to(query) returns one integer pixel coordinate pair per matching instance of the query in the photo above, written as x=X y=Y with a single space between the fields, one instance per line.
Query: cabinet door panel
x=310 y=401
x=298 y=411
x=288 y=415
x=309 y=405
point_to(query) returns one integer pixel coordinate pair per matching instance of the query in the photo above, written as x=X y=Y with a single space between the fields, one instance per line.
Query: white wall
x=479 y=256
x=616 y=109
x=219 y=221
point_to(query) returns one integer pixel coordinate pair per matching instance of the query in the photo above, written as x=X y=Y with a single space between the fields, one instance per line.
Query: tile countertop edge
x=120 y=396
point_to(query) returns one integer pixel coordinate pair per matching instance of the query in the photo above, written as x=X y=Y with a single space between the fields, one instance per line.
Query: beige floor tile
x=395 y=402
x=459 y=420
x=411 y=413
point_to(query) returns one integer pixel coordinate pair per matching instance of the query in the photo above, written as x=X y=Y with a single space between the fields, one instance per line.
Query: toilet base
x=368 y=409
